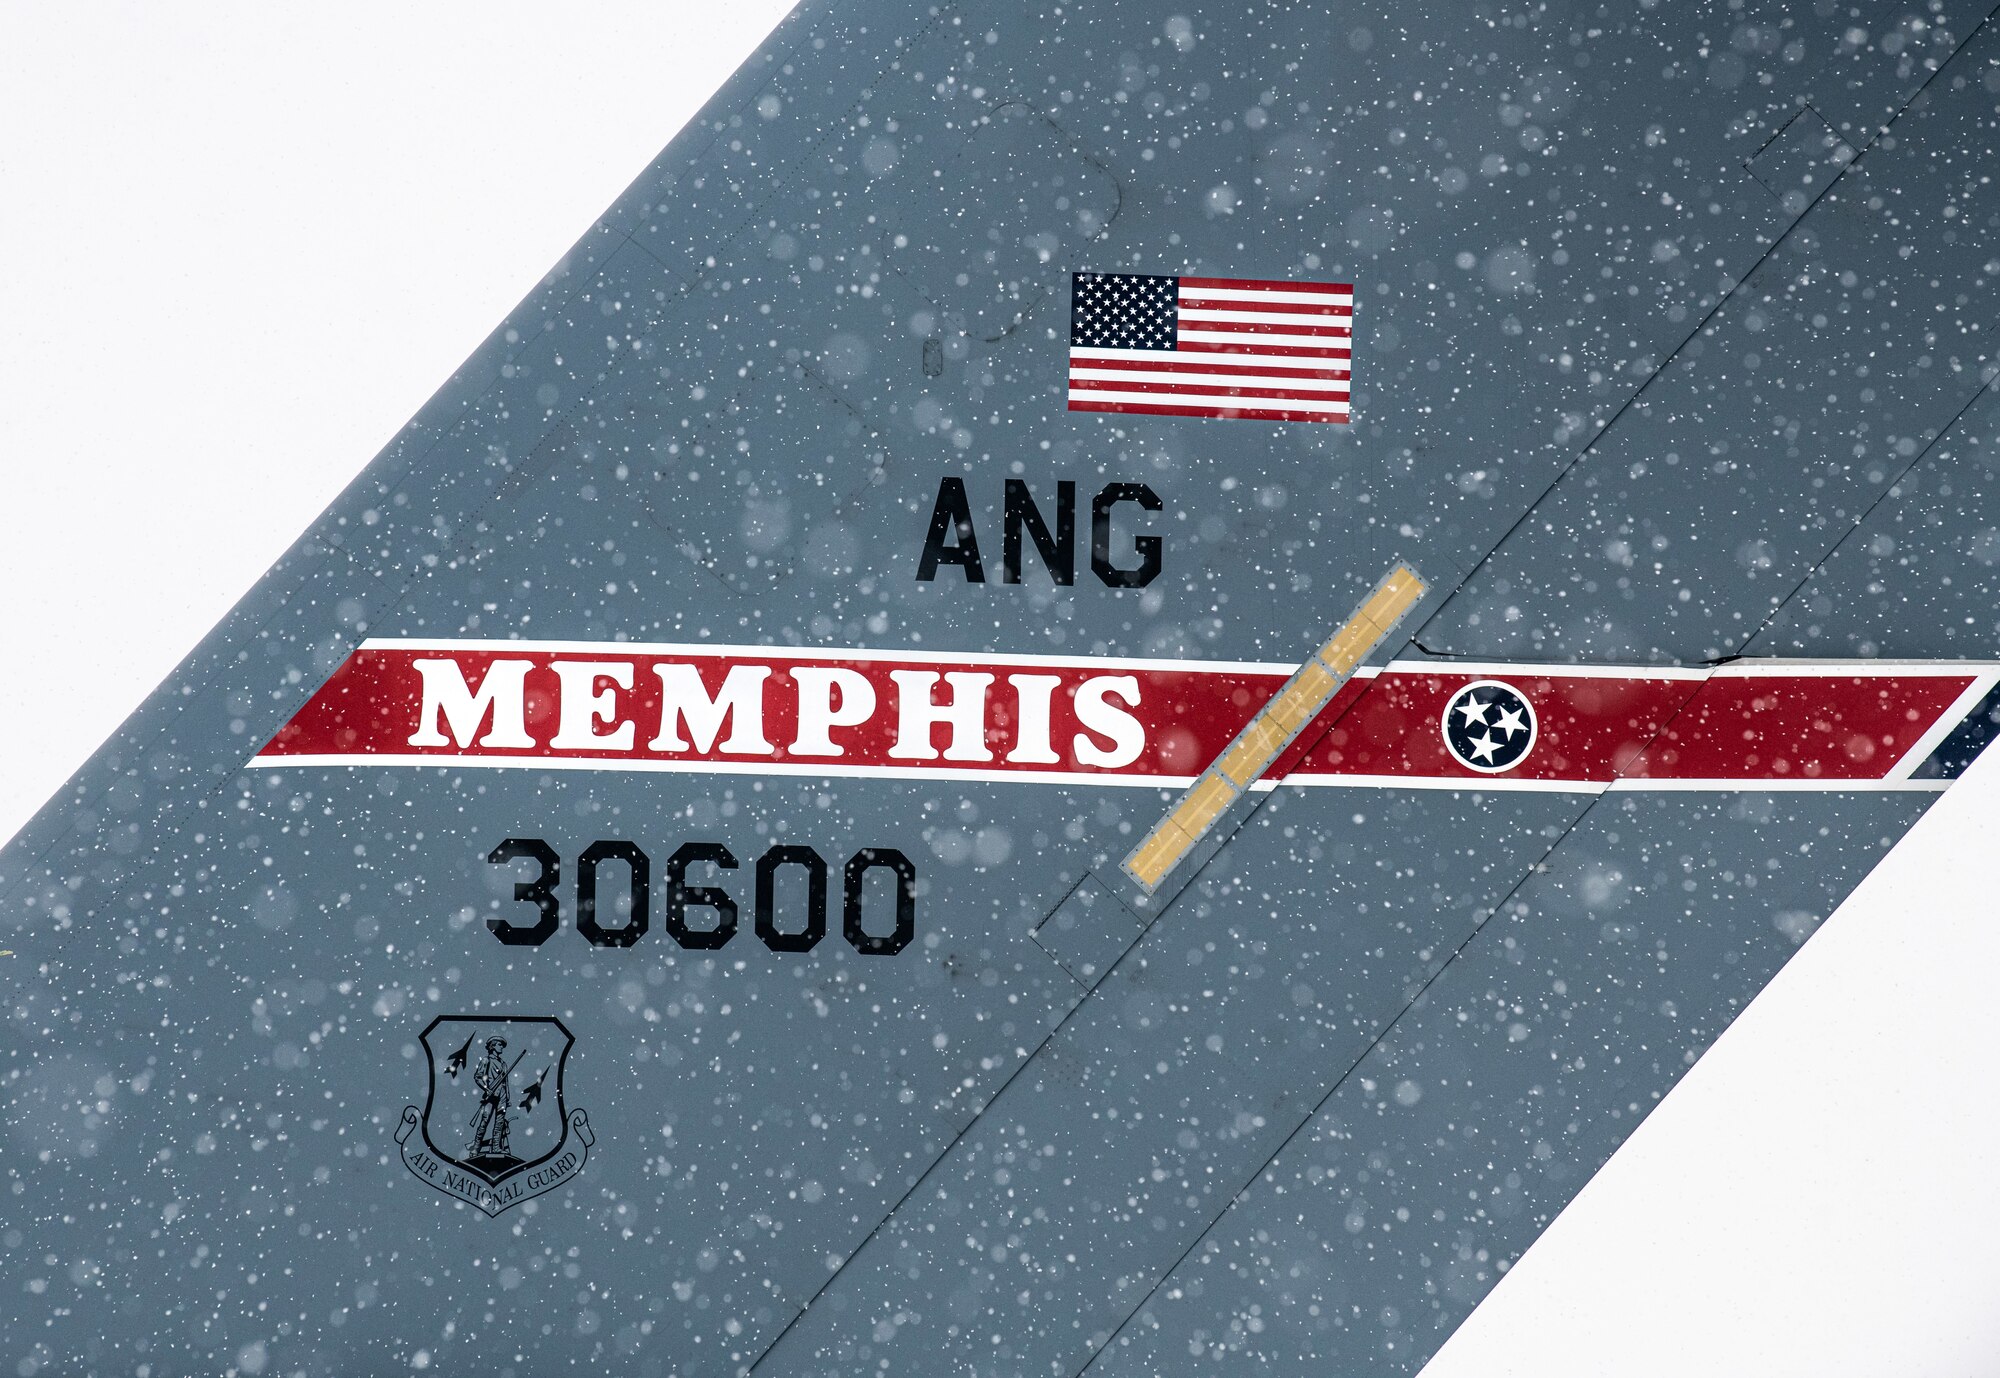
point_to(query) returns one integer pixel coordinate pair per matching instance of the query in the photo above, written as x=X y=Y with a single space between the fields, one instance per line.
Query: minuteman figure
x=489 y=1124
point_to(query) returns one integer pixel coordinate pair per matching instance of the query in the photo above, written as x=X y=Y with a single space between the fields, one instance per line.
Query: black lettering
x=541 y=891
x=852 y=884
x=680 y=895
x=586 y=892
x=767 y=874
x=951 y=514
x=1146 y=547
x=1058 y=552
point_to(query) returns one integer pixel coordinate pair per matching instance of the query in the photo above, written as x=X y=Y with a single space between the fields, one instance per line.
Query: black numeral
x=541 y=890
x=767 y=873
x=586 y=893
x=680 y=895
x=858 y=867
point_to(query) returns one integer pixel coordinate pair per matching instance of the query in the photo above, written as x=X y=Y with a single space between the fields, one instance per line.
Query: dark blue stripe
x=1966 y=741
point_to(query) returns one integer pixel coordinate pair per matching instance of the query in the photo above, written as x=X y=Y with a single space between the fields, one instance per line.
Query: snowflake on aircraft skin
x=1489 y=726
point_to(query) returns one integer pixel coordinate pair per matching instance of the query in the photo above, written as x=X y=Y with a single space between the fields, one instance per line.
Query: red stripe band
x=762 y=710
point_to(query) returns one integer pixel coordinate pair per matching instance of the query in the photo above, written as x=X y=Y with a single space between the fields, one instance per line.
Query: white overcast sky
x=241 y=243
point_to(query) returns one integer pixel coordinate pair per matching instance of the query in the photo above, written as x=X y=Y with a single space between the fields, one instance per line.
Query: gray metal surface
x=1300 y=1112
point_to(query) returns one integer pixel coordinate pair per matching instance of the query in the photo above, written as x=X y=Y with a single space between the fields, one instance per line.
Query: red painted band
x=1137 y=721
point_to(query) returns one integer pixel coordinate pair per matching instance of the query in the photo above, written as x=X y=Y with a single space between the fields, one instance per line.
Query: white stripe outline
x=1624 y=784
x=1517 y=670
x=829 y=655
x=1306 y=780
x=1846 y=669
x=830 y=770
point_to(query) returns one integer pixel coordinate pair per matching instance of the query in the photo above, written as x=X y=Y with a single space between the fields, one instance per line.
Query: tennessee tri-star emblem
x=494 y=1129
x=1489 y=726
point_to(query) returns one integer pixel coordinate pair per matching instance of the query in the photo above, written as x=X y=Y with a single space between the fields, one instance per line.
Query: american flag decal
x=1181 y=346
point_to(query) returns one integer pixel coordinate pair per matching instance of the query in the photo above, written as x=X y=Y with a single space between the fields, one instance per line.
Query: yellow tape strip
x=1156 y=856
x=1250 y=753
x=1297 y=703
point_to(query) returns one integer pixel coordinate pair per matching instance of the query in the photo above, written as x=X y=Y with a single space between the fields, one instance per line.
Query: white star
x=1472 y=711
x=1483 y=748
x=1511 y=721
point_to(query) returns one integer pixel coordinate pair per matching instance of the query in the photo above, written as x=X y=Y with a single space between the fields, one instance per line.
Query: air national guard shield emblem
x=494 y=1130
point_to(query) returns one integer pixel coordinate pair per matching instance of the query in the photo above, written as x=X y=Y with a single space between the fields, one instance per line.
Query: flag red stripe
x=1225 y=413
x=1169 y=364
x=1330 y=332
x=1290 y=308
x=1273 y=350
x=1210 y=389
x=1267 y=285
